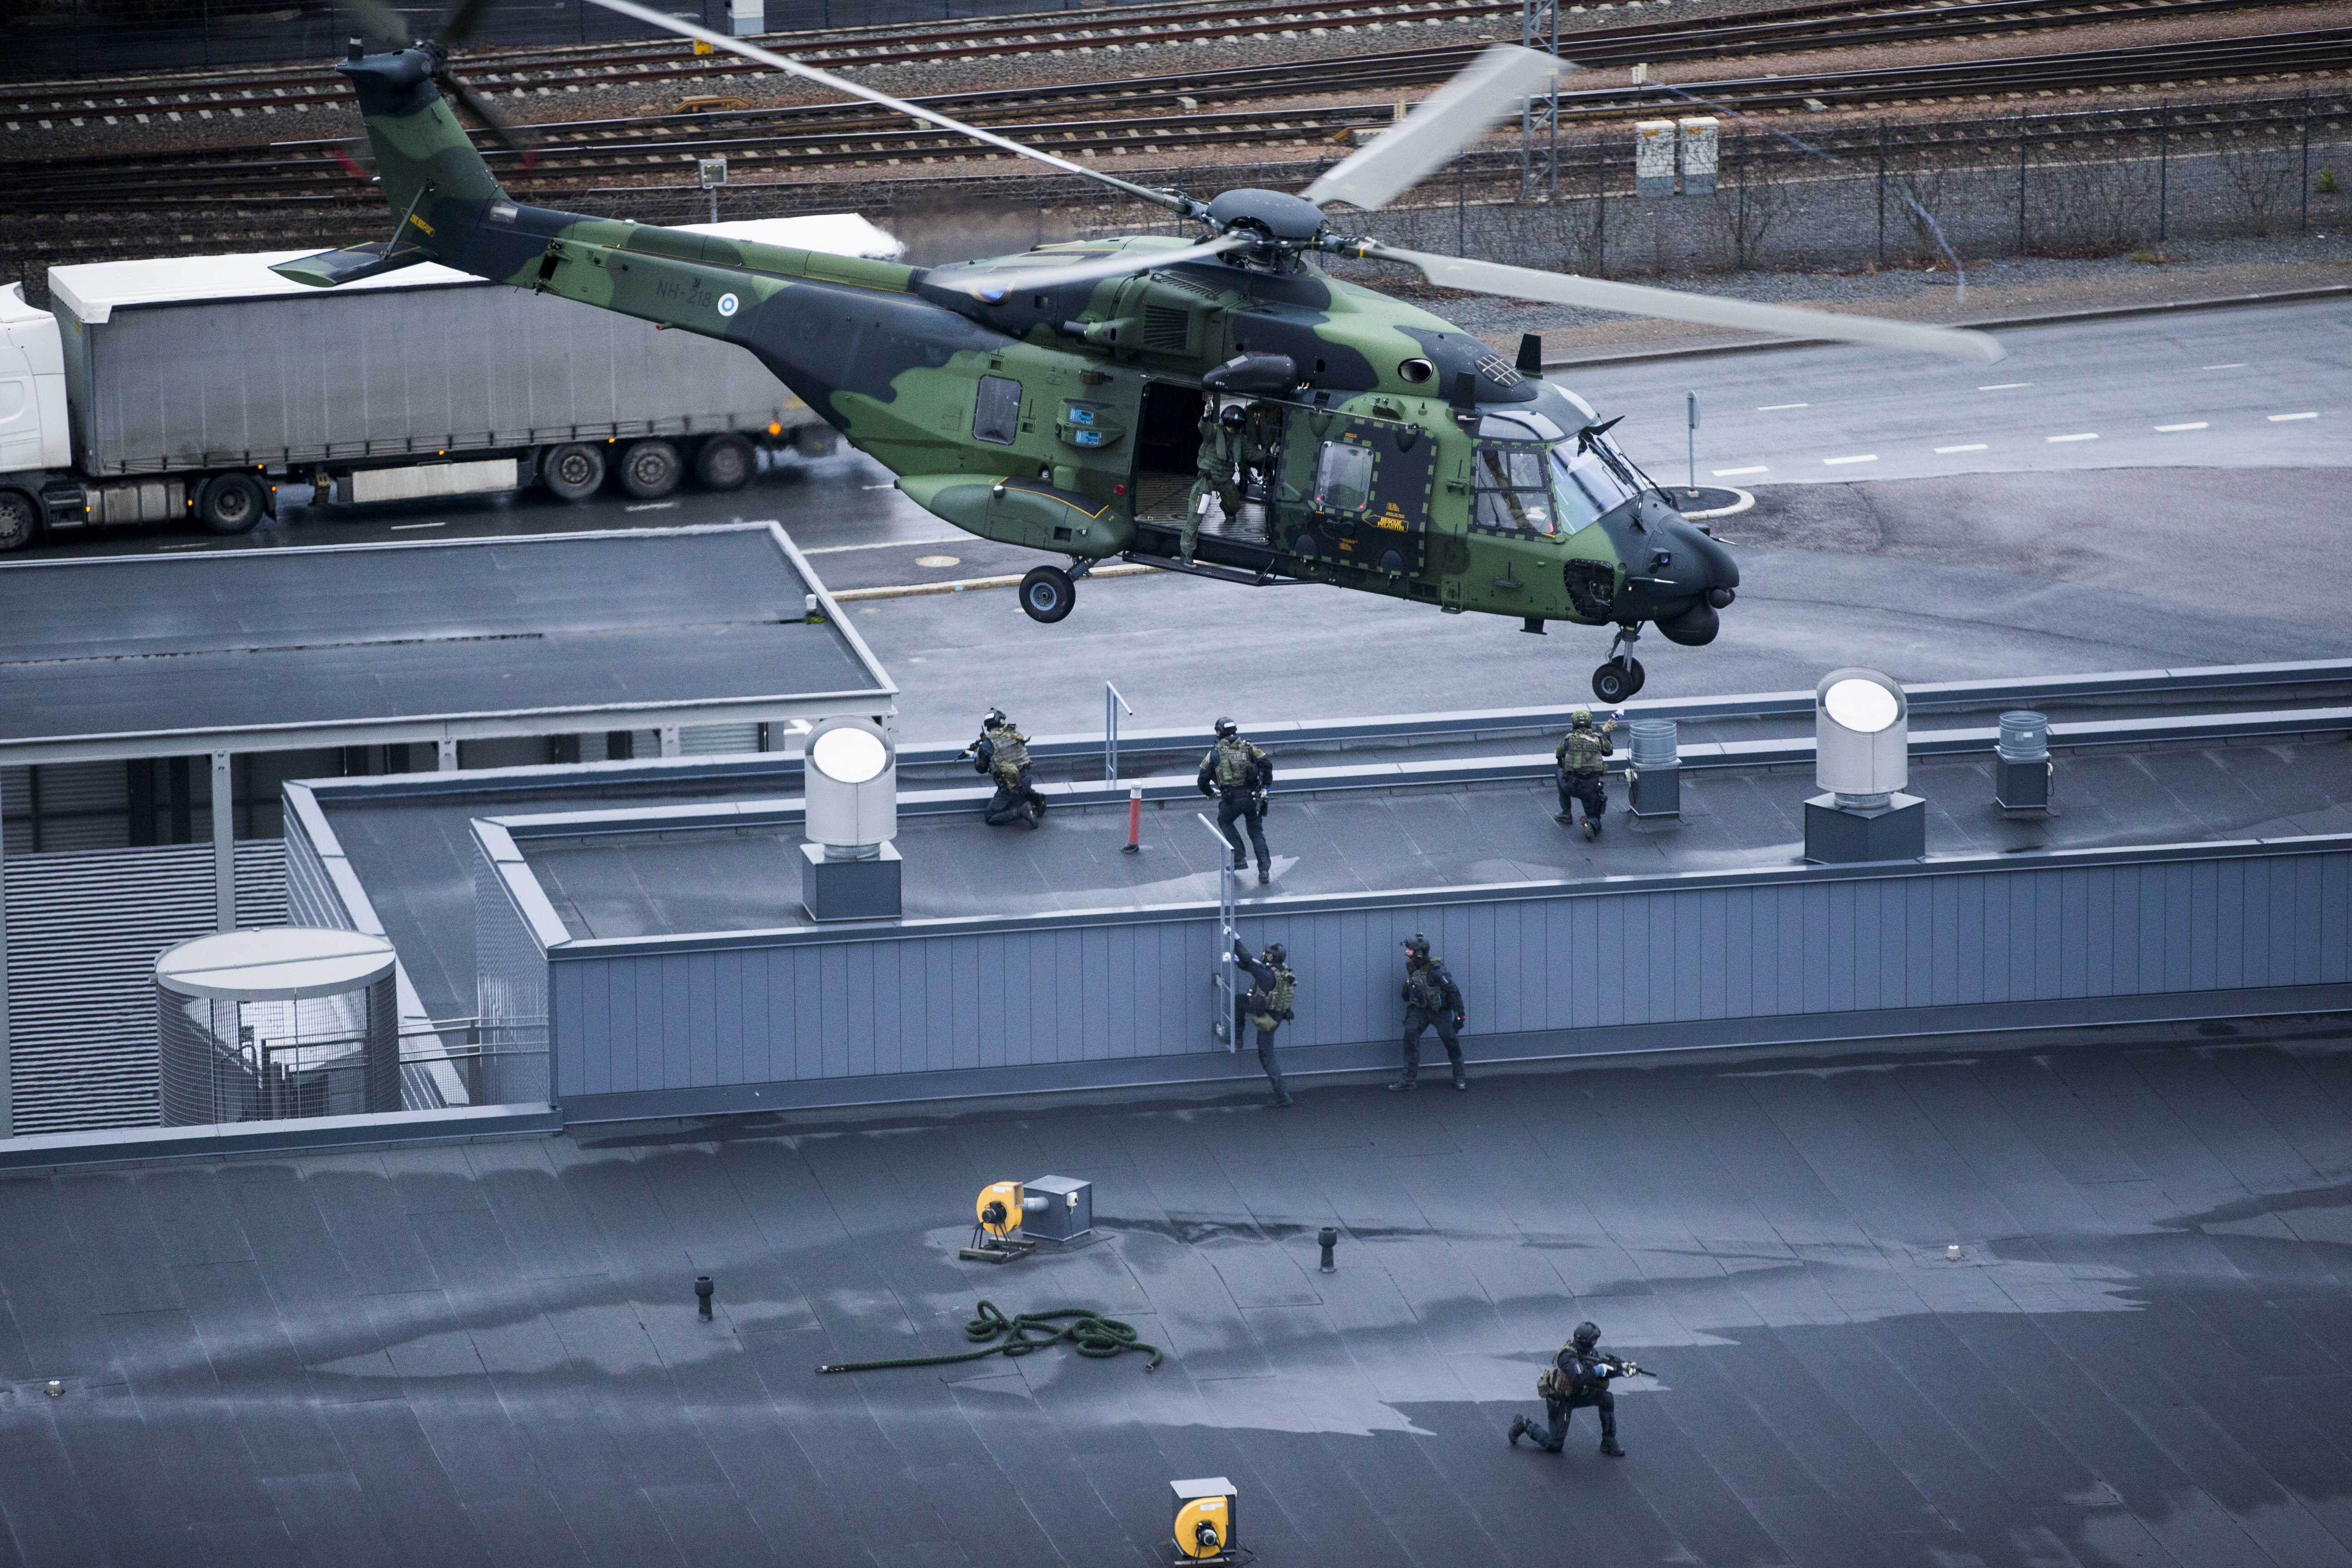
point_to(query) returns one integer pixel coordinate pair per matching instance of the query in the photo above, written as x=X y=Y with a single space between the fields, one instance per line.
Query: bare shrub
x=1751 y=199
x=2102 y=207
x=2261 y=178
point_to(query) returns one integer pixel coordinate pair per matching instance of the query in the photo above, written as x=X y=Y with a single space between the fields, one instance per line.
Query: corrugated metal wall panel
x=84 y=930
x=1583 y=960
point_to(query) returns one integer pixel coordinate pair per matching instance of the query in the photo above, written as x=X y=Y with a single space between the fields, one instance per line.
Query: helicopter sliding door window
x=996 y=412
x=1343 y=479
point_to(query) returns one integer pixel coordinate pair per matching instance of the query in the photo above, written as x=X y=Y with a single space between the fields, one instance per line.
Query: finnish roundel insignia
x=727 y=303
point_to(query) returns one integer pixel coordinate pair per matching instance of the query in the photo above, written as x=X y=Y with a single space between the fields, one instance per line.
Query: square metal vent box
x=1067 y=1212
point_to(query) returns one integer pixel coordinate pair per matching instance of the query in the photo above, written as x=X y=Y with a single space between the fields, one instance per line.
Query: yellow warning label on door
x=1393 y=519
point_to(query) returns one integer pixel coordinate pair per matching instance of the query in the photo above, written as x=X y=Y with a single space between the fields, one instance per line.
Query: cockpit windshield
x=1529 y=476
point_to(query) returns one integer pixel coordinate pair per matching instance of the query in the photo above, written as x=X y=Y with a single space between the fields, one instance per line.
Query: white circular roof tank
x=850 y=779
x=275 y=963
x=1862 y=737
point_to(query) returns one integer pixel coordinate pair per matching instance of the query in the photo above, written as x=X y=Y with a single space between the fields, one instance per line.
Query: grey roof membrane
x=488 y=1353
x=241 y=639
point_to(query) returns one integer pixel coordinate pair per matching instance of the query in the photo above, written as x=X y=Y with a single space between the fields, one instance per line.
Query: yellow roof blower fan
x=1055 y=1208
x=1203 y=1529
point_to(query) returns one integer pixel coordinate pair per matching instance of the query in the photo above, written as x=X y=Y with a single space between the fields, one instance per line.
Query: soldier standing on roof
x=1582 y=759
x=1003 y=754
x=1431 y=998
x=1237 y=773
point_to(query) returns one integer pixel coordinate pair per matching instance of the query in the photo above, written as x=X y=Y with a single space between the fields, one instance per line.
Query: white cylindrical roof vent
x=278 y=1021
x=850 y=778
x=1862 y=737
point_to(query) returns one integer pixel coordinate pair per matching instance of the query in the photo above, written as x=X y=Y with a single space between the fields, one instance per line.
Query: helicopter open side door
x=1356 y=491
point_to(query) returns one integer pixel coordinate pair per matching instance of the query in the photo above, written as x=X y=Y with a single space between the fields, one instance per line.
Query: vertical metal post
x=2163 y=165
x=223 y=843
x=1600 y=203
x=671 y=746
x=1112 y=703
x=444 y=755
x=1462 y=205
x=2021 y=185
x=1881 y=193
x=7 y=1088
x=1225 y=988
x=2304 y=183
x=1691 y=400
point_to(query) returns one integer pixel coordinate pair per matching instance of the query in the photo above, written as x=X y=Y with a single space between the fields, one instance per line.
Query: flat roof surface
x=488 y=1353
x=1381 y=840
x=251 y=640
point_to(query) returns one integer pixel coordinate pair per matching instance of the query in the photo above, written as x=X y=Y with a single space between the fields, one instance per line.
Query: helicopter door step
x=1264 y=577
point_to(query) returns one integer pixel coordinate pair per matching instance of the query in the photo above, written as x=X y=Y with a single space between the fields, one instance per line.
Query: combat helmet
x=1416 y=944
x=1586 y=1335
x=1582 y=719
x=1234 y=418
x=1275 y=955
x=1227 y=729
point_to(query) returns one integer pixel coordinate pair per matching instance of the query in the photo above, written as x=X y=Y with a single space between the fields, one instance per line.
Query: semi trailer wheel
x=231 y=503
x=650 y=470
x=19 y=521
x=572 y=472
x=723 y=463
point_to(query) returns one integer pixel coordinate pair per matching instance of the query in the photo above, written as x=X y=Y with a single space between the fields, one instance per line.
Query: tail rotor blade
x=750 y=51
x=1673 y=305
x=1492 y=87
x=471 y=102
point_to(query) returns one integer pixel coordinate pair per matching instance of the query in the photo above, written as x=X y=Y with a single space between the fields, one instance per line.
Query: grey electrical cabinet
x=1067 y=1214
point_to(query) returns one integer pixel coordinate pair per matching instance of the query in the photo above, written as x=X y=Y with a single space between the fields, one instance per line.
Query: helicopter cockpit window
x=1529 y=477
x=996 y=412
x=1343 y=478
x=1585 y=487
x=1513 y=488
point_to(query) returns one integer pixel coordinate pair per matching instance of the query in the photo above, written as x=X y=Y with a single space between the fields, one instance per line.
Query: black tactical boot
x=1241 y=862
x=1402 y=1083
x=1591 y=830
x=1563 y=819
x=1608 y=1447
x=1281 y=1101
x=1461 y=1081
x=1518 y=1429
x=1264 y=875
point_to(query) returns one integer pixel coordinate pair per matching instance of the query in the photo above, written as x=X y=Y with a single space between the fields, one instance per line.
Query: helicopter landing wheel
x=1614 y=682
x=1047 y=594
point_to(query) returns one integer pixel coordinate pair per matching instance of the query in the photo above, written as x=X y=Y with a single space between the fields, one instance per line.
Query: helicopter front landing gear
x=1047 y=593
x=1622 y=676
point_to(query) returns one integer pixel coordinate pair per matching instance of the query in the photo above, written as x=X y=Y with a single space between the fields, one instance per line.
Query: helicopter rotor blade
x=1673 y=305
x=375 y=16
x=471 y=102
x=685 y=29
x=1449 y=120
x=1124 y=264
x=461 y=23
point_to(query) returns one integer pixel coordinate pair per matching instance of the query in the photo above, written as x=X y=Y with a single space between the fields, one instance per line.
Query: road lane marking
x=2194 y=425
x=2004 y=386
x=2085 y=436
x=1734 y=473
x=1776 y=407
x=887 y=544
x=2281 y=419
x=1972 y=446
x=2240 y=365
x=1866 y=458
x=398 y=526
x=651 y=506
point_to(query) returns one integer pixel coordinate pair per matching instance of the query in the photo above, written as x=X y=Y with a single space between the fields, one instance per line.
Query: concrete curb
x=1983 y=323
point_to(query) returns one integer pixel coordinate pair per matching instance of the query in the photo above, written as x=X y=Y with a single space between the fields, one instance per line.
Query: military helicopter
x=1052 y=399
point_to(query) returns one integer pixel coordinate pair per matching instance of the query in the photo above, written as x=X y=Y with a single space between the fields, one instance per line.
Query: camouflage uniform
x=1582 y=759
x=1216 y=471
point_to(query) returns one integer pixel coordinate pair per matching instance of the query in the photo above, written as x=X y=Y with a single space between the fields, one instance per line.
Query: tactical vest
x=1234 y=767
x=1422 y=991
x=1272 y=1008
x=1587 y=753
x=1012 y=754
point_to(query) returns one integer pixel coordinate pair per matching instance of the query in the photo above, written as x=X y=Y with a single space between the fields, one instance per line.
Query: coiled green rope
x=1089 y=1333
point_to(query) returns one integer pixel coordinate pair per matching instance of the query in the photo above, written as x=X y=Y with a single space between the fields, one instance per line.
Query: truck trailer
x=194 y=387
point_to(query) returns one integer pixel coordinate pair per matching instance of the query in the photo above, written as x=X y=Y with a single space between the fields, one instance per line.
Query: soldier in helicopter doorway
x=1431 y=998
x=1238 y=775
x=1267 y=1006
x=1003 y=754
x=1216 y=469
x=1581 y=760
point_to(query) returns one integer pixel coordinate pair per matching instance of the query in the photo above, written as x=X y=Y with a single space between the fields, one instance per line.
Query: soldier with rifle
x=1003 y=754
x=1430 y=998
x=1581 y=760
x=1237 y=774
x=1267 y=1006
x=1578 y=1377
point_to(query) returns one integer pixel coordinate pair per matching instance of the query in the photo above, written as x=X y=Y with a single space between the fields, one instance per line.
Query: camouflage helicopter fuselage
x=1018 y=415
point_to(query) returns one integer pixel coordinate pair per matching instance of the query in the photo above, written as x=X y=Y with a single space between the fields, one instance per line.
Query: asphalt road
x=2135 y=550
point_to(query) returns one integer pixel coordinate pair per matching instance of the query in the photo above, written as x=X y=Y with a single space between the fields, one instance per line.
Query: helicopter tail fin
x=433 y=177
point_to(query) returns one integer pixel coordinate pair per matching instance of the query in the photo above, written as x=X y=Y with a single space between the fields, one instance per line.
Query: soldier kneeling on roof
x=1578 y=1377
x=1003 y=754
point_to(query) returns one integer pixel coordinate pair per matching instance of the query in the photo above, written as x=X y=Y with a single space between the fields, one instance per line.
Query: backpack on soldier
x=1235 y=769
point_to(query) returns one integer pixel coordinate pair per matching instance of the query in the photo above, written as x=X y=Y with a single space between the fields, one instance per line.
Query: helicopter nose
x=1717 y=575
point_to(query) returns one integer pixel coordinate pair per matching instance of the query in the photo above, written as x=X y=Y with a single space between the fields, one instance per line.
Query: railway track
x=516 y=77
x=788 y=142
